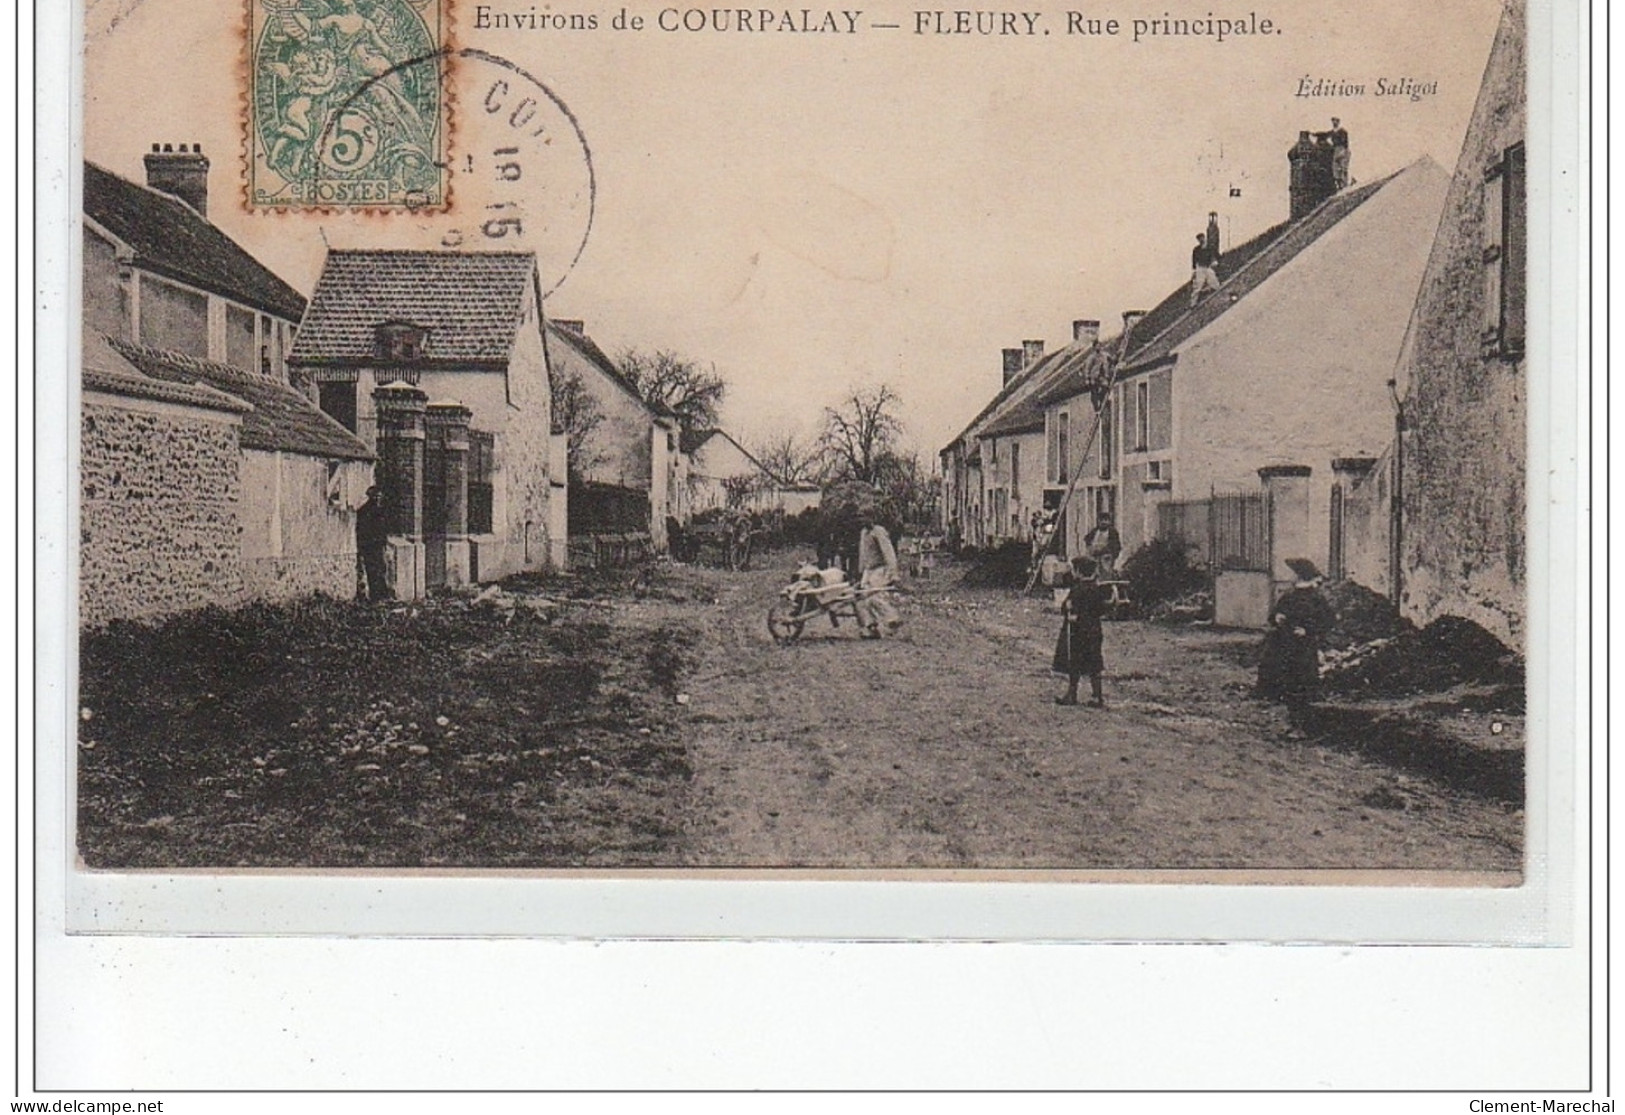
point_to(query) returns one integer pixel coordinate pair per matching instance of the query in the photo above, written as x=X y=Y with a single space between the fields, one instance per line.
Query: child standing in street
x=1078 y=649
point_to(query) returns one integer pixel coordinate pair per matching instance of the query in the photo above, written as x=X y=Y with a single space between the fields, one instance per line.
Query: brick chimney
x=1031 y=352
x=1085 y=332
x=1312 y=181
x=1012 y=364
x=182 y=173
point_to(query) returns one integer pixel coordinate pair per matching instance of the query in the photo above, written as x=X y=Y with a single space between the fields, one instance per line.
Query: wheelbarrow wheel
x=783 y=625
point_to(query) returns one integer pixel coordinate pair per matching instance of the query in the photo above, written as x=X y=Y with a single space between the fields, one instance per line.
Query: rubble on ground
x=1448 y=652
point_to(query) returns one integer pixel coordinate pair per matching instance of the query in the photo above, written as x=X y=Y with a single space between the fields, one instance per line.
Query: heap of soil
x=1008 y=566
x=1363 y=616
x=1446 y=653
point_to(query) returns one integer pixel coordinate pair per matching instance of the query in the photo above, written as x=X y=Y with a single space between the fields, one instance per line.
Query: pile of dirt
x=1446 y=653
x=1363 y=616
x=1008 y=566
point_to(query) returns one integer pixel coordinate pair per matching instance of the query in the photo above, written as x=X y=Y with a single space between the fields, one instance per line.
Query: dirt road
x=942 y=748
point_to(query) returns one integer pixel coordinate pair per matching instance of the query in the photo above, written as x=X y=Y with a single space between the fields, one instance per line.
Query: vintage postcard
x=1055 y=446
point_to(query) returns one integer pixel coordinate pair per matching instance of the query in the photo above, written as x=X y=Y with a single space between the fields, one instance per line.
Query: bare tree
x=860 y=432
x=908 y=487
x=577 y=414
x=664 y=378
x=786 y=458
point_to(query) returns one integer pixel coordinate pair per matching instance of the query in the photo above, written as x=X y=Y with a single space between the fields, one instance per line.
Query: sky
x=814 y=213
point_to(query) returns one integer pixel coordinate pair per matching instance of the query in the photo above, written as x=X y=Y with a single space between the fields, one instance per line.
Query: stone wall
x=160 y=494
x=525 y=452
x=1367 y=509
x=298 y=516
x=1466 y=445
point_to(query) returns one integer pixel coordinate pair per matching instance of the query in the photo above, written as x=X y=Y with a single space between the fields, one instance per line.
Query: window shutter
x=1514 y=255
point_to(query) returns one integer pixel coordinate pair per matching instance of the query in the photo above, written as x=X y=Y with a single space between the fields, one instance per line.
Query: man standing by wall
x=371 y=538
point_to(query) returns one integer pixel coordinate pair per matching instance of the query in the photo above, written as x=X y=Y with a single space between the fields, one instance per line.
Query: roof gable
x=585 y=347
x=170 y=238
x=470 y=303
x=1242 y=270
x=281 y=419
x=706 y=438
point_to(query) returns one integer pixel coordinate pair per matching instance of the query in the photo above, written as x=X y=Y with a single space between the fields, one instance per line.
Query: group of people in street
x=1289 y=662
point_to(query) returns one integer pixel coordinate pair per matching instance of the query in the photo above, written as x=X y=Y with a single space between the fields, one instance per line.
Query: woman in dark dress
x=1289 y=669
x=1078 y=649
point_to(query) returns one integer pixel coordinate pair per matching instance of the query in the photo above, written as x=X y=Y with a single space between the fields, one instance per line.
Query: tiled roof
x=589 y=350
x=1241 y=271
x=103 y=369
x=469 y=302
x=1027 y=414
x=1017 y=382
x=169 y=238
x=1082 y=375
x=282 y=419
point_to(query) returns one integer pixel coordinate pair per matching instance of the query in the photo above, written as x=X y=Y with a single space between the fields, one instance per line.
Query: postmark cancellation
x=337 y=117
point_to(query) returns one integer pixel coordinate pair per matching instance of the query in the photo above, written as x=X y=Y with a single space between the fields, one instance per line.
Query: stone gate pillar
x=1291 y=533
x=446 y=465
x=399 y=471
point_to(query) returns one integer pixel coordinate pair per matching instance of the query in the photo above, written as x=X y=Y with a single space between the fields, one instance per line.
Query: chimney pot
x=183 y=174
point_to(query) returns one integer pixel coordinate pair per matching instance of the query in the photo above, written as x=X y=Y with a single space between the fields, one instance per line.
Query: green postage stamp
x=343 y=112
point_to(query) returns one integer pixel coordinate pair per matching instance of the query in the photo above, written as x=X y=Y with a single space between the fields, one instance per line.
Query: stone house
x=1455 y=542
x=437 y=361
x=205 y=477
x=158 y=274
x=717 y=462
x=632 y=475
x=1275 y=385
x=991 y=483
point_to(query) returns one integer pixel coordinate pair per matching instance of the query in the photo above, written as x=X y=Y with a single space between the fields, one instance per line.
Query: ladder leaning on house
x=1100 y=400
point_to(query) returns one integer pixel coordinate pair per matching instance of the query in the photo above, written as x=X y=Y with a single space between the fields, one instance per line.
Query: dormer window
x=397 y=341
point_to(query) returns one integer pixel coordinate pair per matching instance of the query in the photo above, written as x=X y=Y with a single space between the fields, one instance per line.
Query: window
x=1505 y=255
x=1142 y=415
x=174 y=318
x=1015 y=468
x=337 y=401
x=1105 y=503
x=1104 y=441
x=399 y=340
x=481 y=481
x=240 y=338
x=1062 y=472
x=1159 y=474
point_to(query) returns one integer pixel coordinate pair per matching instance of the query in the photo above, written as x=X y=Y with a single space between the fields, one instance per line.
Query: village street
x=943 y=748
x=651 y=721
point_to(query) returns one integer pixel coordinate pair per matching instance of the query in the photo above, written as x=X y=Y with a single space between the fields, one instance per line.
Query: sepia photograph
x=1020 y=445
